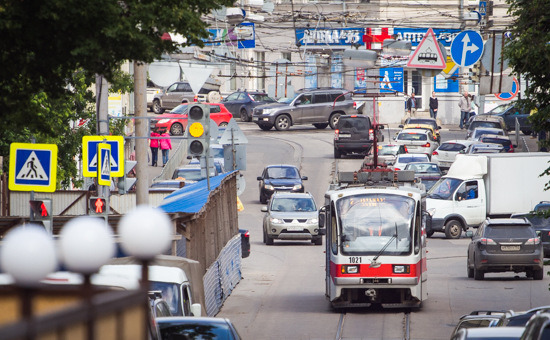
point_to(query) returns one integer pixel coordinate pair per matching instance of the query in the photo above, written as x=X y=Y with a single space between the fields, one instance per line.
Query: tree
x=51 y=49
x=529 y=54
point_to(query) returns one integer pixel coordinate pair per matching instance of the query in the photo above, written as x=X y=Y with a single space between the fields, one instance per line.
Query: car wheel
x=282 y=123
x=453 y=229
x=265 y=127
x=478 y=274
x=265 y=237
x=157 y=109
x=223 y=124
x=244 y=115
x=318 y=240
x=333 y=120
x=337 y=153
x=469 y=269
x=526 y=132
x=430 y=233
x=176 y=129
x=321 y=126
x=263 y=199
x=268 y=240
x=538 y=274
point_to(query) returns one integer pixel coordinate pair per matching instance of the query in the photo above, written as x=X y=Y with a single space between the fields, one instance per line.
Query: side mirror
x=469 y=234
x=304 y=178
x=439 y=127
x=264 y=208
x=259 y=178
x=322 y=218
x=196 y=309
x=400 y=125
x=514 y=145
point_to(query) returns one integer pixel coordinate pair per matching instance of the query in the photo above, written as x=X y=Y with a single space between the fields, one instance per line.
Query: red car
x=176 y=120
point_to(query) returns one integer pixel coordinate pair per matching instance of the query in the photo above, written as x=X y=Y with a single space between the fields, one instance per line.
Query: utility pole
x=142 y=129
x=102 y=102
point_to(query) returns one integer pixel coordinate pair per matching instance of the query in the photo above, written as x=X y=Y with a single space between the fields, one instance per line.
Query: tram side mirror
x=322 y=217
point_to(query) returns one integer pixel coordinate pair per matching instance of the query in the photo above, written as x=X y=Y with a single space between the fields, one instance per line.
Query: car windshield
x=292 y=204
x=412 y=136
x=453 y=147
x=503 y=142
x=287 y=100
x=188 y=174
x=483 y=124
x=262 y=97
x=388 y=150
x=444 y=188
x=509 y=232
x=193 y=330
x=370 y=222
x=500 y=109
x=170 y=293
x=480 y=132
x=423 y=167
x=180 y=109
x=282 y=172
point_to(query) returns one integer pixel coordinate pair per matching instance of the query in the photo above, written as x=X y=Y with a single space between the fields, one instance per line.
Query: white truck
x=488 y=185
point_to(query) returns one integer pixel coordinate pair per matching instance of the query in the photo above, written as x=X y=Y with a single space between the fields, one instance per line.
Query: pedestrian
x=154 y=145
x=434 y=104
x=165 y=146
x=465 y=105
x=411 y=105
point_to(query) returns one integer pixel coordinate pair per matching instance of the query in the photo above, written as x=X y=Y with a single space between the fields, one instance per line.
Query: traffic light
x=98 y=206
x=198 y=129
x=42 y=211
x=475 y=72
x=127 y=182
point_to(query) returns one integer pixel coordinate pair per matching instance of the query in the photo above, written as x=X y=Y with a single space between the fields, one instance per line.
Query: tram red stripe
x=385 y=270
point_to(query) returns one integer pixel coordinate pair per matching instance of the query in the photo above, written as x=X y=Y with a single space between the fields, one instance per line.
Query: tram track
x=375 y=324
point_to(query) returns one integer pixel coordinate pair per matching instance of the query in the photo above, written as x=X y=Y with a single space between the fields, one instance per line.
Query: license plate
x=294 y=228
x=345 y=135
x=510 y=248
x=254 y=119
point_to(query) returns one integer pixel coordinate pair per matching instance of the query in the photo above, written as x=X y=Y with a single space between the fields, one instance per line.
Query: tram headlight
x=350 y=269
x=401 y=269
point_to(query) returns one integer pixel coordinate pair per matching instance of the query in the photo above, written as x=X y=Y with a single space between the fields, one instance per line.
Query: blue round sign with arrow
x=467 y=48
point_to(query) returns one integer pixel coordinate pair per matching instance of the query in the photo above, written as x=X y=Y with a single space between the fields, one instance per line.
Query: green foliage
x=51 y=50
x=529 y=55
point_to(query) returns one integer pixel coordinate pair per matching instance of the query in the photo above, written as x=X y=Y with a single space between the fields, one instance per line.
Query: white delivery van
x=486 y=185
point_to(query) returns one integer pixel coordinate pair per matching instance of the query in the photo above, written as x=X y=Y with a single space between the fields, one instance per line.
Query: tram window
x=333 y=234
x=417 y=227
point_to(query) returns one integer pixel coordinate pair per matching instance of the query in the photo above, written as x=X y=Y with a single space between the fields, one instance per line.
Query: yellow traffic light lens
x=196 y=130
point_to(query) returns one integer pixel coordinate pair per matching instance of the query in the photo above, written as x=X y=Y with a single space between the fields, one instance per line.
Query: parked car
x=403 y=159
x=388 y=152
x=484 y=121
x=521 y=318
x=282 y=177
x=482 y=318
x=480 y=147
x=152 y=90
x=411 y=121
x=181 y=92
x=177 y=328
x=417 y=141
x=176 y=120
x=245 y=242
x=492 y=333
x=542 y=228
x=291 y=216
x=497 y=139
x=427 y=172
x=320 y=107
x=478 y=132
x=505 y=244
x=509 y=113
x=242 y=103
x=353 y=135
x=446 y=153
x=192 y=173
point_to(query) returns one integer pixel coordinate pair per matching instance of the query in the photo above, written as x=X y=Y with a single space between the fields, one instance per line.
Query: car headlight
x=313 y=221
x=268 y=111
x=269 y=187
x=297 y=187
x=431 y=211
x=275 y=220
x=164 y=121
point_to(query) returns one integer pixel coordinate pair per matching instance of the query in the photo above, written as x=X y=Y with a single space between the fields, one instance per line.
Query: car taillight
x=397 y=169
x=435 y=153
x=196 y=98
x=427 y=145
x=336 y=132
x=355 y=105
x=406 y=151
x=511 y=148
x=533 y=241
x=488 y=242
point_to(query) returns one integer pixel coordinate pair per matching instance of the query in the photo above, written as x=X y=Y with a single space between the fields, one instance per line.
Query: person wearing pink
x=154 y=144
x=165 y=146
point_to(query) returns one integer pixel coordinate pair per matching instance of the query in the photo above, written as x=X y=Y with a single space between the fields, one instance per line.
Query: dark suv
x=241 y=103
x=509 y=112
x=282 y=177
x=320 y=107
x=505 y=244
x=352 y=135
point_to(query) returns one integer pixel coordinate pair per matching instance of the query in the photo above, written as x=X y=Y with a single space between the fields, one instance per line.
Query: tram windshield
x=376 y=224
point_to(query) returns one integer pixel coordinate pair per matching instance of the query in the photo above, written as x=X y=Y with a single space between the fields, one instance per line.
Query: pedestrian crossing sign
x=104 y=164
x=33 y=167
x=90 y=155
